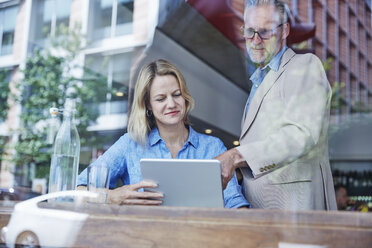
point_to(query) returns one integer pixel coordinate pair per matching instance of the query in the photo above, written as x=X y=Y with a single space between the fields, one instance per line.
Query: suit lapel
x=261 y=92
x=244 y=116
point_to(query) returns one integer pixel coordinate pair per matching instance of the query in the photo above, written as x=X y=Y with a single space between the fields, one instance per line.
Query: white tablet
x=186 y=182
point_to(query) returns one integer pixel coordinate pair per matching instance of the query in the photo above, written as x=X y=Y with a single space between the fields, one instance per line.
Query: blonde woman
x=159 y=127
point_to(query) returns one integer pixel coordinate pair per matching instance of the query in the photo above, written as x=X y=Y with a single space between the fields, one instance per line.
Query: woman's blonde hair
x=139 y=123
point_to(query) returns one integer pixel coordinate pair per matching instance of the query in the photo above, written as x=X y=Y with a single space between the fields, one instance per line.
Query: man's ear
x=286 y=30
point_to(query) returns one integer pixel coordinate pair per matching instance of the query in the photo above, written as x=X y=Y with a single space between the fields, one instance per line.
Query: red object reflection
x=222 y=15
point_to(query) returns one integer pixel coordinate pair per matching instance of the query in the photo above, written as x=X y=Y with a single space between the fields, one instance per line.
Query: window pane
x=43 y=18
x=49 y=14
x=63 y=12
x=7 y=43
x=124 y=17
x=101 y=16
x=8 y=22
x=120 y=75
x=98 y=67
x=98 y=64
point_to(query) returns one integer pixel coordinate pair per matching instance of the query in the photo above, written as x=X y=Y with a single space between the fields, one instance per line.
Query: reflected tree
x=4 y=92
x=49 y=77
x=4 y=106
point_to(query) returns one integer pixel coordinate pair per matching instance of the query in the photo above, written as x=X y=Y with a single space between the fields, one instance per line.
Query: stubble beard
x=257 y=57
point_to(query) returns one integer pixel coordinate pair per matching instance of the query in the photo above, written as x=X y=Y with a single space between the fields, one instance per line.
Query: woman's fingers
x=129 y=194
x=146 y=194
x=141 y=202
x=144 y=184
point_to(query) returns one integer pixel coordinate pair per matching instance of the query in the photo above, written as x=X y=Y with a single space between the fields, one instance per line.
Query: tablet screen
x=186 y=182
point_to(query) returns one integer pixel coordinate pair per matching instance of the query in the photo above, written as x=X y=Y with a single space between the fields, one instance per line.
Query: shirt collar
x=193 y=138
x=154 y=137
x=273 y=65
x=275 y=62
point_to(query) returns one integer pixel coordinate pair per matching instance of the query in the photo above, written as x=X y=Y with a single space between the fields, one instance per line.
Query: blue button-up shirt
x=259 y=74
x=124 y=157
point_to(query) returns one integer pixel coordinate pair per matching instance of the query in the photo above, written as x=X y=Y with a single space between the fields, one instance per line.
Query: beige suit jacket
x=284 y=138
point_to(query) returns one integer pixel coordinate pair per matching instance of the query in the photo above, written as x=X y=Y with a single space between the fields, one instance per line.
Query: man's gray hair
x=280 y=6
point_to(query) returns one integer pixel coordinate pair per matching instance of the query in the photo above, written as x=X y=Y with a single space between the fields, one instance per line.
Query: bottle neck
x=68 y=115
x=69 y=109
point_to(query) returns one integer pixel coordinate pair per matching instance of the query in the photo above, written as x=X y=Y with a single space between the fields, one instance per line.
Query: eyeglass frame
x=271 y=32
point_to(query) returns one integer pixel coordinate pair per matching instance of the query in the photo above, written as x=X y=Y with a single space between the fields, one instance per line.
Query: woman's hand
x=128 y=194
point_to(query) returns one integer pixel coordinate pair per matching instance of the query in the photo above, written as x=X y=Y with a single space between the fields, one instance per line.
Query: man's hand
x=230 y=160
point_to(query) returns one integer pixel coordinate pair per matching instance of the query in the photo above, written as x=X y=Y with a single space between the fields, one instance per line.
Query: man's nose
x=256 y=39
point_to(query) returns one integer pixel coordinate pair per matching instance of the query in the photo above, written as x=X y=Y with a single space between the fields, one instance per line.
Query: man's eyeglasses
x=264 y=34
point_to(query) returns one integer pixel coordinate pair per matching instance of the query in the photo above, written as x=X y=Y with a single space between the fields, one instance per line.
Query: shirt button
x=256 y=85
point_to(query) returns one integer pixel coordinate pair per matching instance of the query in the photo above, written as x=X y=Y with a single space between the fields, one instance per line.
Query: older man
x=283 y=152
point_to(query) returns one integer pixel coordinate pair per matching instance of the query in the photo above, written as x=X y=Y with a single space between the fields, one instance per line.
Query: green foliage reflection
x=49 y=78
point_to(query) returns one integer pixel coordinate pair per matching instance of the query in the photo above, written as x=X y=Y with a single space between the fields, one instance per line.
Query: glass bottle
x=370 y=179
x=335 y=177
x=66 y=152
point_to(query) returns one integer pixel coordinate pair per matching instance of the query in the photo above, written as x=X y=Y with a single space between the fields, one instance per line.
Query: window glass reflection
x=116 y=69
x=120 y=74
x=43 y=18
x=102 y=18
x=124 y=17
x=104 y=11
x=49 y=15
x=7 y=25
x=63 y=12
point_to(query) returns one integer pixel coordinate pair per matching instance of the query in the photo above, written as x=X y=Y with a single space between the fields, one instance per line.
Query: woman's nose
x=171 y=102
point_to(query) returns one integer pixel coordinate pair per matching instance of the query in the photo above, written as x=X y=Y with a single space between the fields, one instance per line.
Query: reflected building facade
x=343 y=35
x=116 y=31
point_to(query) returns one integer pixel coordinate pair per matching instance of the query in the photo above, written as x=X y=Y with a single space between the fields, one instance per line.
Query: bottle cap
x=53 y=112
